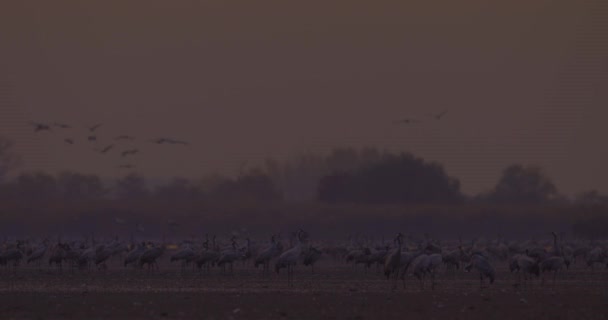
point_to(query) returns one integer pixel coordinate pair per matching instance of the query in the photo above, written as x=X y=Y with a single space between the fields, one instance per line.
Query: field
x=335 y=291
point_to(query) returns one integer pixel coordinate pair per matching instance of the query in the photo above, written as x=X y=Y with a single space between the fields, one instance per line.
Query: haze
x=523 y=82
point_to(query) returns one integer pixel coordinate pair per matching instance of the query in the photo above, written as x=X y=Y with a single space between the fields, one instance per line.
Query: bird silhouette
x=438 y=116
x=95 y=127
x=68 y=141
x=169 y=141
x=62 y=125
x=92 y=138
x=40 y=126
x=129 y=152
x=124 y=137
x=106 y=149
x=406 y=121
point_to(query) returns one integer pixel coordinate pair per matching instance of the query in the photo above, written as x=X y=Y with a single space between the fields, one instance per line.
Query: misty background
x=270 y=94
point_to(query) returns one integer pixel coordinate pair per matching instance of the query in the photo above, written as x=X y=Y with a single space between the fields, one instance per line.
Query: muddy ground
x=333 y=292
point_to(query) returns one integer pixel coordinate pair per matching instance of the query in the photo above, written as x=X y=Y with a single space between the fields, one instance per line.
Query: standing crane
x=554 y=263
x=267 y=254
x=311 y=256
x=392 y=264
x=150 y=256
x=484 y=267
x=289 y=258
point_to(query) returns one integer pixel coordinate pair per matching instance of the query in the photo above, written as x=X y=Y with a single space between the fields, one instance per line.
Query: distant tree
x=132 y=186
x=178 y=190
x=76 y=186
x=34 y=187
x=523 y=185
x=8 y=160
x=591 y=198
x=400 y=178
x=343 y=159
x=298 y=177
x=253 y=186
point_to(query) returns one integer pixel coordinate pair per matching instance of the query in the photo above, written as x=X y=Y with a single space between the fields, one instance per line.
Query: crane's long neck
x=556 y=247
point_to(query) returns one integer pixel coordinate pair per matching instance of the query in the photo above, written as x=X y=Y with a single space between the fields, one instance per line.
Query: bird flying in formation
x=440 y=115
x=40 y=126
x=92 y=136
x=106 y=149
x=129 y=152
x=406 y=121
x=124 y=137
x=95 y=127
x=62 y=125
x=169 y=141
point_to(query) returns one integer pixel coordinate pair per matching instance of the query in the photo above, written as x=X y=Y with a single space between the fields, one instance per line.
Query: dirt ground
x=334 y=292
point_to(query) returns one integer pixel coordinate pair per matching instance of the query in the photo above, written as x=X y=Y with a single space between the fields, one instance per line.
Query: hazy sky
x=522 y=80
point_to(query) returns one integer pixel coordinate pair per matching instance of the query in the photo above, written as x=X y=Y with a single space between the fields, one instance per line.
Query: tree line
x=344 y=175
x=347 y=188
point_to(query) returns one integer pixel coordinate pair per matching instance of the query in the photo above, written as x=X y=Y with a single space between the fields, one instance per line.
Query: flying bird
x=129 y=152
x=438 y=116
x=124 y=137
x=62 y=125
x=69 y=141
x=95 y=127
x=92 y=138
x=40 y=126
x=169 y=141
x=106 y=149
x=406 y=121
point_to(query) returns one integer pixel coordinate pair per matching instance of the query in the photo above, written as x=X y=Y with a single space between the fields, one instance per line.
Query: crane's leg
x=554 y=276
x=542 y=279
x=396 y=279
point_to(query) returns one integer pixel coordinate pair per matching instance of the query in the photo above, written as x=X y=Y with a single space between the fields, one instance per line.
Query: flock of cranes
x=422 y=260
x=91 y=135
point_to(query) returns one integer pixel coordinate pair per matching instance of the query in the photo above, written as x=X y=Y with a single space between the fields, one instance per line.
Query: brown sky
x=523 y=80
